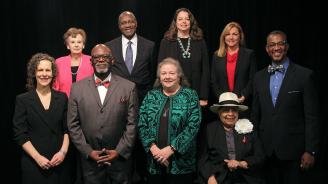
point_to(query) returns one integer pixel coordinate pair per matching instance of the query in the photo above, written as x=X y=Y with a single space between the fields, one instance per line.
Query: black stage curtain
x=32 y=26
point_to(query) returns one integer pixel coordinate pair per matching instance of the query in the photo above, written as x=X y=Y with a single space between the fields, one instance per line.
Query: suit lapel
x=220 y=140
x=223 y=64
x=113 y=84
x=174 y=49
x=140 y=49
x=288 y=79
x=39 y=109
x=194 y=51
x=53 y=103
x=240 y=57
x=266 y=88
x=239 y=145
x=93 y=88
x=119 y=51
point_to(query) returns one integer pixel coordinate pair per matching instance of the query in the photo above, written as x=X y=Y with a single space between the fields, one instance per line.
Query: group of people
x=127 y=109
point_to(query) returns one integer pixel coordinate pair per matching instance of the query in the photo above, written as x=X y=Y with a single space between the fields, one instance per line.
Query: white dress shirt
x=134 y=43
x=101 y=88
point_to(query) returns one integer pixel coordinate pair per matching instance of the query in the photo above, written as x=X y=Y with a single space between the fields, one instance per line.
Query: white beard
x=102 y=71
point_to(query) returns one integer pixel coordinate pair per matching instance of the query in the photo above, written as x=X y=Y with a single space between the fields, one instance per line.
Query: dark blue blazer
x=292 y=126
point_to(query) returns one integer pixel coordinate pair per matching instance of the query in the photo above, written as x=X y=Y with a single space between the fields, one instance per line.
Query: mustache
x=102 y=64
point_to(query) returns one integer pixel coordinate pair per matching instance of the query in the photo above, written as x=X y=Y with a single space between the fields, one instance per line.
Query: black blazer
x=292 y=126
x=213 y=151
x=244 y=73
x=144 y=70
x=200 y=69
x=45 y=130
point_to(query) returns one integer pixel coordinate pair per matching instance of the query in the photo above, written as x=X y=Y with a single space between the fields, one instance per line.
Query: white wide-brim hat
x=228 y=99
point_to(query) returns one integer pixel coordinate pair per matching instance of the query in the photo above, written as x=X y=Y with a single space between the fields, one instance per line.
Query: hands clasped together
x=161 y=155
x=234 y=164
x=104 y=157
x=45 y=164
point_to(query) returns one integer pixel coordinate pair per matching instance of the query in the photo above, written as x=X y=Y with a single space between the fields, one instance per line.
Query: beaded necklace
x=185 y=52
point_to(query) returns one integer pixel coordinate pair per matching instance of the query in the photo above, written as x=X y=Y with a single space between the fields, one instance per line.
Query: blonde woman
x=233 y=66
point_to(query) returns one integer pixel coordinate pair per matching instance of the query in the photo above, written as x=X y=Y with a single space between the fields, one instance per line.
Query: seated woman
x=230 y=151
x=170 y=117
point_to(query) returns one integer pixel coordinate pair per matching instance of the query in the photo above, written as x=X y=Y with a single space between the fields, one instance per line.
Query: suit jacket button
x=273 y=114
x=101 y=112
x=99 y=141
x=101 y=127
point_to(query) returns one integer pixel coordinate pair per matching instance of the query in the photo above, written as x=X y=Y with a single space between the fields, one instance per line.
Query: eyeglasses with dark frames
x=280 y=44
x=97 y=57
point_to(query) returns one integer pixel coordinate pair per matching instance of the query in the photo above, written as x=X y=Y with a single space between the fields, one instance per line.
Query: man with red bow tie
x=102 y=121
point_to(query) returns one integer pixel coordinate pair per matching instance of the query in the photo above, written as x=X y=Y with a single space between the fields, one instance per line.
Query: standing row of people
x=118 y=78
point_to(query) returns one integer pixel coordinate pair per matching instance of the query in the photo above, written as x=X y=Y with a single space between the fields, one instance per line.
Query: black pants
x=168 y=178
x=75 y=168
x=140 y=160
x=234 y=178
x=283 y=171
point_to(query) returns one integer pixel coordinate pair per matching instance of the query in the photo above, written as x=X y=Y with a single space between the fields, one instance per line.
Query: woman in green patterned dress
x=170 y=117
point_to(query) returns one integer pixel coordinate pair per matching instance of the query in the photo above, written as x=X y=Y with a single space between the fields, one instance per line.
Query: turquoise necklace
x=185 y=52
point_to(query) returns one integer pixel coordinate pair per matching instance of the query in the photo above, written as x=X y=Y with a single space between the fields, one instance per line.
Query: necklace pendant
x=164 y=115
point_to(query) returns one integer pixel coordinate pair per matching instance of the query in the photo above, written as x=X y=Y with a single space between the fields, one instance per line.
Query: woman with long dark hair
x=184 y=42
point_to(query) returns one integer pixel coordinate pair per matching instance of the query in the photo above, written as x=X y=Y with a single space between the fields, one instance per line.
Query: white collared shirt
x=101 y=88
x=125 y=44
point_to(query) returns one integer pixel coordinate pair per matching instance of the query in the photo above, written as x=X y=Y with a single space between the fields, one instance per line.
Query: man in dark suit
x=135 y=56
x=286 y=113
x=102 y=121
x=135 y=60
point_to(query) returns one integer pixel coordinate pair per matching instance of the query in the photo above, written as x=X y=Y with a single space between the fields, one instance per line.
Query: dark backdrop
x=30 y=26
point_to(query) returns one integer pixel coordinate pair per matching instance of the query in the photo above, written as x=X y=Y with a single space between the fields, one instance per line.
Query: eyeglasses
x=97 y=57
x=280 y=44
x=123 y=23
x=228 y=109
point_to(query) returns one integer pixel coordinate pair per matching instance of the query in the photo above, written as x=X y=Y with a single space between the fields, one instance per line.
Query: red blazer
x=64 y=80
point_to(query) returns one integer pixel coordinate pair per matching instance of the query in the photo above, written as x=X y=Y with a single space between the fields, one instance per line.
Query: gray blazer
x=111 y=125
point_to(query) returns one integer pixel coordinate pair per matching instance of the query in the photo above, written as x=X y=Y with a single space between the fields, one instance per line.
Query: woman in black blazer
x=184 y=42
x=233 y=66
x=40 y=125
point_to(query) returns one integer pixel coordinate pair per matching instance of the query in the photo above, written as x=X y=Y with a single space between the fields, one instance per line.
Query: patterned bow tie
x=279 y=68
x=106 y=84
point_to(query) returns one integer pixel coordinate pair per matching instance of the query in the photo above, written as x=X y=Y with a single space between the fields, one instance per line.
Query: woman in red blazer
x=75 y=66
x=234 y=66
